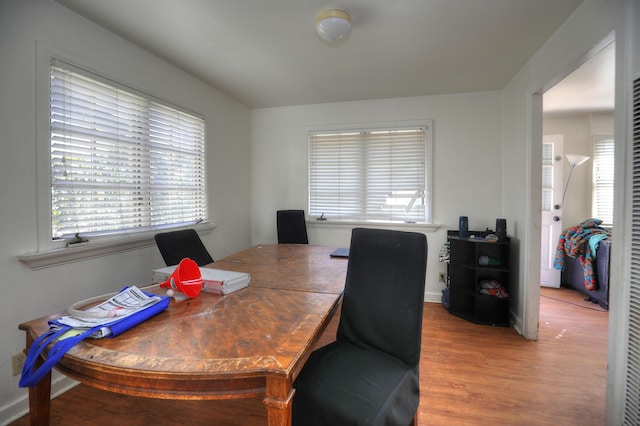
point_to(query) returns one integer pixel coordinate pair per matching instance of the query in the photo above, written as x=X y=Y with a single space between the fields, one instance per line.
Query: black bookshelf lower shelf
x=484 y=310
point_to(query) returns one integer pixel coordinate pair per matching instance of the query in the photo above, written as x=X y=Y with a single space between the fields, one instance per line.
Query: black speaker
x=501 y=229
x=463 y=227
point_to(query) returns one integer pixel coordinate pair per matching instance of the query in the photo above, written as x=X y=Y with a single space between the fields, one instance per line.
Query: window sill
x=92 y=249
x=423 y=227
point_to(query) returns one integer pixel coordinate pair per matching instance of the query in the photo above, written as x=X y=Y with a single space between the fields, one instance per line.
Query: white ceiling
x=589 y=88
x=265 y=53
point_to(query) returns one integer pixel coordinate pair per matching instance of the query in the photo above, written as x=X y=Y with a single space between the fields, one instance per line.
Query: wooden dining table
x=249 y=343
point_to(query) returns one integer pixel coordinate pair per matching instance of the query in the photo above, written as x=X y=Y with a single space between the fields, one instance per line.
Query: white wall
x=26 y=294
x=467 y=161
x=568 y=48
x=522 y=135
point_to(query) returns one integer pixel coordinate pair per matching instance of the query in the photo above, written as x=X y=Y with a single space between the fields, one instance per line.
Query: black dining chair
x=176 y=245
x=369 y=375
x=292 y=228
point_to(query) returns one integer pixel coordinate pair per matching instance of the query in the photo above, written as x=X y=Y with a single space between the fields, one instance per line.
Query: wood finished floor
x=470 y=375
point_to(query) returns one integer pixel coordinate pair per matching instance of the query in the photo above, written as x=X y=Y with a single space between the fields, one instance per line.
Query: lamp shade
x=333 y=25
x=576 y=159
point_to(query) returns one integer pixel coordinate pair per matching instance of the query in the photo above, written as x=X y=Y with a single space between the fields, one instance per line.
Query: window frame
x=427 y=124
x=50 y=252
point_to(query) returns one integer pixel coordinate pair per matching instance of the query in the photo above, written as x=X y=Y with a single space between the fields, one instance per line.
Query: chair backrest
x=292 y=228
x=176 y=245
x=384 y=292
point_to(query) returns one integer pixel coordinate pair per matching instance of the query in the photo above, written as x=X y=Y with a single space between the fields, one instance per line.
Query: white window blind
x=372 y=175
x=121 y=161
x=547 y=176
x=603 y=179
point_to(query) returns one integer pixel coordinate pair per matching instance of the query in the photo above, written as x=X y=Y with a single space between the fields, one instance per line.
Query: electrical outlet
x=441 y=277
x=17 y=362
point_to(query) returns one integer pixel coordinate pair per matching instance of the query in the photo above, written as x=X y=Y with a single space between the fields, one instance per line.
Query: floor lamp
x=574 y=161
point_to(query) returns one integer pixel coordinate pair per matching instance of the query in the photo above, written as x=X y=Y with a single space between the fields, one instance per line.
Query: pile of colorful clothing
x=492 y=288
x=581 y=242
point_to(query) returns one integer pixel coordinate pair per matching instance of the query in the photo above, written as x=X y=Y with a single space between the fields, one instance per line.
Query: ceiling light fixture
x=333 y=25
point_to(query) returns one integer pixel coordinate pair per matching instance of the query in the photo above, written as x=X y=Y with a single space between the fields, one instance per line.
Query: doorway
x=578 y=112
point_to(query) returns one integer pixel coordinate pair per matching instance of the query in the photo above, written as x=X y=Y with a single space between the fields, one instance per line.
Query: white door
x=551 y=223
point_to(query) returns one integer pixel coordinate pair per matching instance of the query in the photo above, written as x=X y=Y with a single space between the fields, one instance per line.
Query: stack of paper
x=213 y=280
x=126 y=303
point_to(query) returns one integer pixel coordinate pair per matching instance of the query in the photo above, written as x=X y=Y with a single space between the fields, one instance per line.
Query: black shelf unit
x=465 y=274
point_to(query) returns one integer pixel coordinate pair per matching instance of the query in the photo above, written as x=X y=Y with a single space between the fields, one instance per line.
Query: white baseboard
x=12 y=412
x=517 y=324
x=433 y=297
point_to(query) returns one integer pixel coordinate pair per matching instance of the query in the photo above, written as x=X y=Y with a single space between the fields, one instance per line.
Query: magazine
x=120 y=306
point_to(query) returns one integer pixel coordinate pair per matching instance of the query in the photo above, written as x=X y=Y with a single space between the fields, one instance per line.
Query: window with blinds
x=603 y=177
x=547 y=176
x=121 y=161
x=370 y=175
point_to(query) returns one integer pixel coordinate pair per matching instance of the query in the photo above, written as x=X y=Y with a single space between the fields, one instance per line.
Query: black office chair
x=292 y=228
x=369 y=375
x=176 y=245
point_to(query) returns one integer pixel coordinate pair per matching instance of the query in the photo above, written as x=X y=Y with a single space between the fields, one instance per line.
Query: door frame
x=531 y=311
